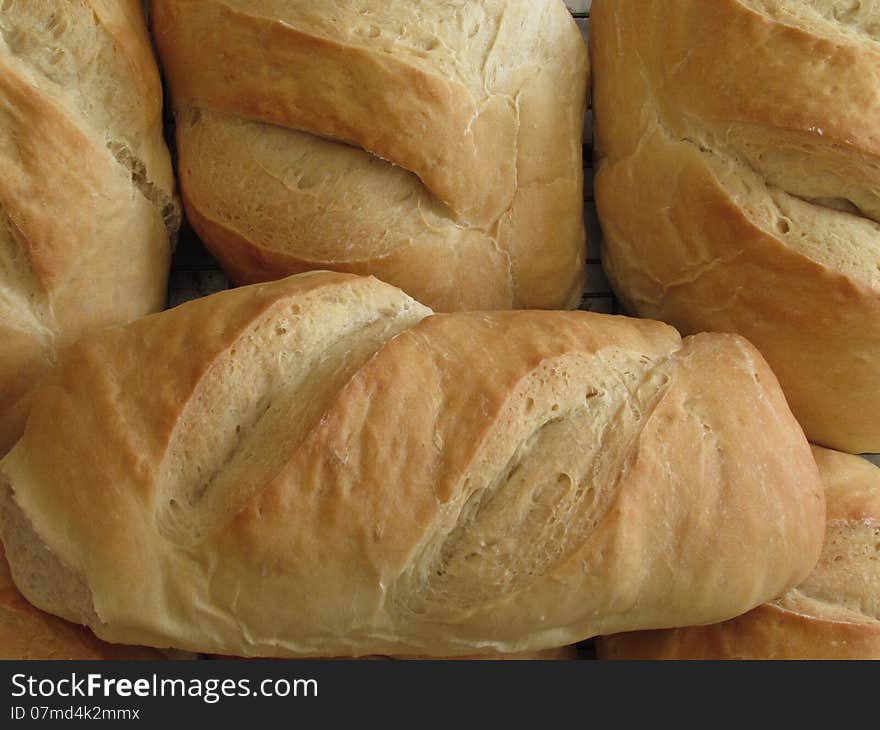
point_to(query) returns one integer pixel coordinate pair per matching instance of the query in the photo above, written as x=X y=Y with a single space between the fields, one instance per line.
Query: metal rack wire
x=598 y=296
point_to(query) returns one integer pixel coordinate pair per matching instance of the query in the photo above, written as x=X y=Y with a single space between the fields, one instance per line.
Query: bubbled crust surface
x=834 y=614
x=738 y=182
x=435 y=145
x=86 y=190
x=317 y=467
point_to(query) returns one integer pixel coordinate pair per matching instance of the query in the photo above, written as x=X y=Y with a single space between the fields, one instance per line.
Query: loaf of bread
x=27 y=633
x=434 y=144
x=738 y=186
x=87 y=206
x=318 y=467
x=834 y=614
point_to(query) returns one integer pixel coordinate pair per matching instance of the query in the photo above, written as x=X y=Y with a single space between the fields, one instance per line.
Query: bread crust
x=87 y=206
x=435 y=145
x=317 y=467
x=832 y=615
x=736 y=187
x=27 y=633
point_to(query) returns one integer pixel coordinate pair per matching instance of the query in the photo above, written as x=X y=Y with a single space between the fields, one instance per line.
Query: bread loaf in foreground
x=87 y=205
x=437 y=145
x=834 y=614
x=738 y=186
x=319 y=467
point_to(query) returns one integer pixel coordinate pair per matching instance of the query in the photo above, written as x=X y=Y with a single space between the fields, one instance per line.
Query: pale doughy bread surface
x=26 y=633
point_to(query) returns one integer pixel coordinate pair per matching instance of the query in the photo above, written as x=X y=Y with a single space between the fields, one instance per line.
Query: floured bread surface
x=436 y=145
x=87 y=207
x=738 y=186
x=833 y=614
x=317 y=467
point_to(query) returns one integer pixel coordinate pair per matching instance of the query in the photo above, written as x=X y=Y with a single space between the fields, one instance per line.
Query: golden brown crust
x=86 y=191
x=832 y=615
x=315 y=467
x=438 y=147
x=737 y=188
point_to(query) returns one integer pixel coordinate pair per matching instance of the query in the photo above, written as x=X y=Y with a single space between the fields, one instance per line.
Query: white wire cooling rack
x=598 y=296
